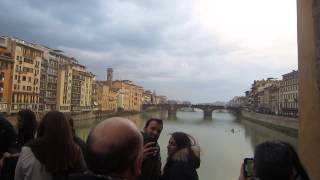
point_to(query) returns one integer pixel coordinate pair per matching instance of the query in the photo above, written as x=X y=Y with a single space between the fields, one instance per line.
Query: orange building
x=130 y=95
x=26 y=74
x=106 y=97
x=6 y=74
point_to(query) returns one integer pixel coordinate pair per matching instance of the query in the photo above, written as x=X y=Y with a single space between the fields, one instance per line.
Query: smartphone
x=248 y=167
x=147 y=138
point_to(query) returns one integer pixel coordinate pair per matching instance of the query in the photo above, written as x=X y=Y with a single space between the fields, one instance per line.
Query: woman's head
x=179 y=140
x=27 y=126
x=55 y=135
x=277 y=160
x=299 y=170
x=54 y=127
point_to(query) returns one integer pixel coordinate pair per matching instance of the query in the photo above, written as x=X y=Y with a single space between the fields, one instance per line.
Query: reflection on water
x=224 y=139
x=257 y=134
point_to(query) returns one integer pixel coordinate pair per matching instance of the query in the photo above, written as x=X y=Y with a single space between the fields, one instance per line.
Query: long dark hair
x=28 y=127
x=277 y=160
x=59 y=152
x=297 y=165
x=183 y=141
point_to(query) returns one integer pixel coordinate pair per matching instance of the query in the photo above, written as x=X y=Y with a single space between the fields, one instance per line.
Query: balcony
x=50 y=101
x=21 y=72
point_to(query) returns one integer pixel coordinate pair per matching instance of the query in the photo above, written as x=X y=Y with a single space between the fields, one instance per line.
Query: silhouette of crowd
x=117 y=150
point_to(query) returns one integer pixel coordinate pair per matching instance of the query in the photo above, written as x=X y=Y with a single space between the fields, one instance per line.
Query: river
x=225 y=140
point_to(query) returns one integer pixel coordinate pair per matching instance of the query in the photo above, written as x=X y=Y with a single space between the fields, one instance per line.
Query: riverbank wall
x=288 y=125
x=96 y=115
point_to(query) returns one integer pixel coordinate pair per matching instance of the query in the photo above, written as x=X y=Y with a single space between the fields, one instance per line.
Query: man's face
x=153 y=129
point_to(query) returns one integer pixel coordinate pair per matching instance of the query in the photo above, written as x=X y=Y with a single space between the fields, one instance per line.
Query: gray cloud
x=158 y=44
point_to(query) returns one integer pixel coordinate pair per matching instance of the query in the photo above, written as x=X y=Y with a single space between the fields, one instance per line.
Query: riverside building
x=48 y=80
x=289 y=94
x=107 y=96
x=26 y=74
x=130 y=95
x=74 y=86
x=257 y=99
x=42 y=79
x=6 y=74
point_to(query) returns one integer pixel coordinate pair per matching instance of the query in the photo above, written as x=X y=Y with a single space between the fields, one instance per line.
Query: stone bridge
x=207 y=109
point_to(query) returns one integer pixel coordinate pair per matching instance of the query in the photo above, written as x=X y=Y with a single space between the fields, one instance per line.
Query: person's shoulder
x=179 y=165
x=5 y=124
x=26 y=150
x=26 y=153
x=184 y=167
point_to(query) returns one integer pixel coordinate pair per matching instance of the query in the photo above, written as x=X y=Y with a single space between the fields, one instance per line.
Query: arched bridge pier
x=207 y=109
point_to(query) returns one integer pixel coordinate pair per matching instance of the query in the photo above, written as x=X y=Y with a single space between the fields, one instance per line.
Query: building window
x=24 y=78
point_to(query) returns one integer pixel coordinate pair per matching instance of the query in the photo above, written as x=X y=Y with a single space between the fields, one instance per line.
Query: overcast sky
x=197 y=50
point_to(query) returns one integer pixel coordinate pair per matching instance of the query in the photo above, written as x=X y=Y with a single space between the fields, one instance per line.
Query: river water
x=225 y=140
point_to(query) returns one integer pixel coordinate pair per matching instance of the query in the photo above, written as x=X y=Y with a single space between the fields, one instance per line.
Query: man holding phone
x=151 y=166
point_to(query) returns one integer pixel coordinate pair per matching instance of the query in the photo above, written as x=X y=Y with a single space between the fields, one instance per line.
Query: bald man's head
x=113 y=146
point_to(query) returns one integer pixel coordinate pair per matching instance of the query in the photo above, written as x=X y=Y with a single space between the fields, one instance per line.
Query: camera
x=248 y=167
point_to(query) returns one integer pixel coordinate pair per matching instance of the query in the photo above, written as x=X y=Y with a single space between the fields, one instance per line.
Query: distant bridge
x=207 y=109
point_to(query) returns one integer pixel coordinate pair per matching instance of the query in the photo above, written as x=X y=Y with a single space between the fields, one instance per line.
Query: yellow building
x=74 y=86
x=130 y=95
x=257 y=99
x=271 y=98
x=81 y=80
x=6 y=74
x=64 y=84
x=106 y=97
x=147 y=97
x=26 y=75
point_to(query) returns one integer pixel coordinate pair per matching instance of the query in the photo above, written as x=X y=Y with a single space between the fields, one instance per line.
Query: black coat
x=91 y=176
x=8 y=136
x=183 y=165
x=151 y=167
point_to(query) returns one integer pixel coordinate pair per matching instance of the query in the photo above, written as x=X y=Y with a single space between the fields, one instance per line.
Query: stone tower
x=109 y=76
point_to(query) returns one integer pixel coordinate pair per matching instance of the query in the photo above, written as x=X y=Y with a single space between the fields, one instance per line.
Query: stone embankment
x=288 y=125
x=93 y=115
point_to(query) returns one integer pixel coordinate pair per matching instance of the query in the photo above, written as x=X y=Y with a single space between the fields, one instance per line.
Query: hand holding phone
x=150 y=148
x=248 y=167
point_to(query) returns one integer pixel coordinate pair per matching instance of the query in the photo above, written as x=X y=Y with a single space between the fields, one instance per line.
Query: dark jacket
x=151 y=167
x=9 y=165
x=81 y=144
x=8 y=136
x=182 y=165
x=91 y=176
